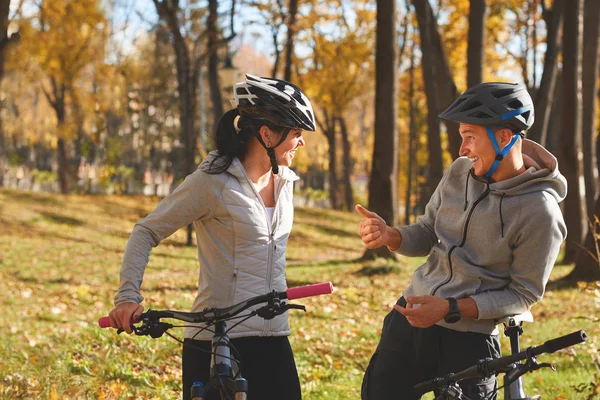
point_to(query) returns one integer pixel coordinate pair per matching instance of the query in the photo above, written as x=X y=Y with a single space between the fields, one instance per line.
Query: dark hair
x=231 y=144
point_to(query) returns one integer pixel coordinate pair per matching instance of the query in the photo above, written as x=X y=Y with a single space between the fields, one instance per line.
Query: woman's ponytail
x=231 y=140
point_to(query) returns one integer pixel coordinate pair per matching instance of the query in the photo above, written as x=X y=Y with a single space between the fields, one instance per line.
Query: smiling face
x=286 y=151
x=477 y=146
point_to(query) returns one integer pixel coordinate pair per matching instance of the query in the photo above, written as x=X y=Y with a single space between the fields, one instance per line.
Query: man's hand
x=375 y=233
x=122 y=315
x=431 y=310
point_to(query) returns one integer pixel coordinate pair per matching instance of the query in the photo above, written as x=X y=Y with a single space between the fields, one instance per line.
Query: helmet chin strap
x=271 y=150
x=499 y=153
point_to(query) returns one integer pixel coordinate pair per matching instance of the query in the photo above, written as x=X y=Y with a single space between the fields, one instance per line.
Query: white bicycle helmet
x=274 y=100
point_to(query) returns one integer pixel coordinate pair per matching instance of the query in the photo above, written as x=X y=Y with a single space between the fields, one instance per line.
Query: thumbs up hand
x=375 y=233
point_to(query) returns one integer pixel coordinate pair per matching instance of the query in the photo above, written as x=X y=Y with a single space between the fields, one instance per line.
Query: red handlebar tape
x=104 y=322
x=310 y=290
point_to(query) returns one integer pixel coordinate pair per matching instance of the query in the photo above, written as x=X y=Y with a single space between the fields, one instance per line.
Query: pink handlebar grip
x=310 y=290
x=104 y=322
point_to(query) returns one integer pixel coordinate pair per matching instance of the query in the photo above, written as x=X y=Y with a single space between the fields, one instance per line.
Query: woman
x=240 y=202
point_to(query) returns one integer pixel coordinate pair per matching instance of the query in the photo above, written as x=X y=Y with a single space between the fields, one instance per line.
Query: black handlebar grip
x=571 y=339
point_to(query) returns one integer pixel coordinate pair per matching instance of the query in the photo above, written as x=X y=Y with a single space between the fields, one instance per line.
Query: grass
x=59 y=265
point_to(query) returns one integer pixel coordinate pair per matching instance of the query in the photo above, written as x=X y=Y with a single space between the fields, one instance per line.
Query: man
x=492 y=230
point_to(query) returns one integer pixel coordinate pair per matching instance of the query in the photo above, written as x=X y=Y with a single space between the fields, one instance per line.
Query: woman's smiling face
x=286 y=151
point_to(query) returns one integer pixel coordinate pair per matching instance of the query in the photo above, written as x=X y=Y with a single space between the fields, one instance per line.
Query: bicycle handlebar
x=490 y=367
x=215 y=314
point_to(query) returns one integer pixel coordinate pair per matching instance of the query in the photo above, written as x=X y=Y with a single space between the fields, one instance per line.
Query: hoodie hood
x=541 y=175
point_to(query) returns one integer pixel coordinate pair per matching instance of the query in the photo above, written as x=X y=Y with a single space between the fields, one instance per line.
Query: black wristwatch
x=454 y=313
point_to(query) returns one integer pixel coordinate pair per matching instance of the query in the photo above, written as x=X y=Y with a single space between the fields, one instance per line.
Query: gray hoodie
x=495 y=243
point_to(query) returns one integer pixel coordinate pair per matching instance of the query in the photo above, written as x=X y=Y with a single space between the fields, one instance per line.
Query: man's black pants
x=267 y=363
x=407 y=355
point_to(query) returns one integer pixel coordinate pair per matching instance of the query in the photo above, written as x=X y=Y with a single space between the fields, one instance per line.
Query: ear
x=505 y=136
x=265 y=133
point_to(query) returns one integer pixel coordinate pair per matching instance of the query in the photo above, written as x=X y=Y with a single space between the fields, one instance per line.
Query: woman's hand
x=122 y=315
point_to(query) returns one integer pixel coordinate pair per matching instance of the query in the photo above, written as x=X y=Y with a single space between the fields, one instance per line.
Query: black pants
x=267 y=363
x=407 y=355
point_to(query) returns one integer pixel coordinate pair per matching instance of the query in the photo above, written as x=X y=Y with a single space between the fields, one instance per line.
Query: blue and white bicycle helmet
x=494 y=104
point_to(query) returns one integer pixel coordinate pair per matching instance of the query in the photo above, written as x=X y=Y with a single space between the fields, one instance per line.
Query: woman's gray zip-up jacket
x=241 y=253
x=495 y=243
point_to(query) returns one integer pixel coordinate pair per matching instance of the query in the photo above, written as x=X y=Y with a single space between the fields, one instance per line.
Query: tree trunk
x=590 y=72
x=587 y=267
x=4 y=10
x=347 y=166
x=213 y=62
x=446 y=88
x=543 y=98
x=476 y=40
x=57 y=100
x=4 y=39
x=333 y=181
x=277 y=54
x=2 y=153
x=534 y=39
x=61 y=153
x=291 y=34
x=383 y=182
x=185 y=87
x=436 y=168
x=412 y=135
x=570 y=138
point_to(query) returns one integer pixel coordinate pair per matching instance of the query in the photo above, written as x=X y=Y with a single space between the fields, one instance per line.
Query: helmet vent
x=474 y=103
x=502 y=92
x=480 y=114
x=526 y=115
x=459 y=102
x=515 y=104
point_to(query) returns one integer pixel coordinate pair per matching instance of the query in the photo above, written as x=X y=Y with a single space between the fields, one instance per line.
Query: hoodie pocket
x=467 y=283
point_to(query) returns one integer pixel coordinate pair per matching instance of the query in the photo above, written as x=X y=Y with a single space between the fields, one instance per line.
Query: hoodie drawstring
x=466 y=191
x=501 y=220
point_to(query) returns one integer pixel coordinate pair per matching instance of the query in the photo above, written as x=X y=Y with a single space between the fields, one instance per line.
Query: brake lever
x=529 y=366
x=543 y=365
x=272 y=310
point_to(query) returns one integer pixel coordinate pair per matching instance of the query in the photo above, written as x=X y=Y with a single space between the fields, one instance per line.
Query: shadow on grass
x=295 y=264
x=116 y=207
x=324 y=230
x=308 y=241
x=30 y=196
x=37 y=280
x=324 y=213
x=368 y=270
x=565 y=282
x=61 y=219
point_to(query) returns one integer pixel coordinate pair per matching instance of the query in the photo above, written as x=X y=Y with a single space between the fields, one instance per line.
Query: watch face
x=452 y=318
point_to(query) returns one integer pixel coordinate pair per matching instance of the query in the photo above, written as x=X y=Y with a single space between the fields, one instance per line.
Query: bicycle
x=511 y=366
x=229 y=383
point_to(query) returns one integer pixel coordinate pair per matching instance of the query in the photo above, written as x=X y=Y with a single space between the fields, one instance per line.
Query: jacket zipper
x=270 y=230
x=280 y=184
x=464 y=238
